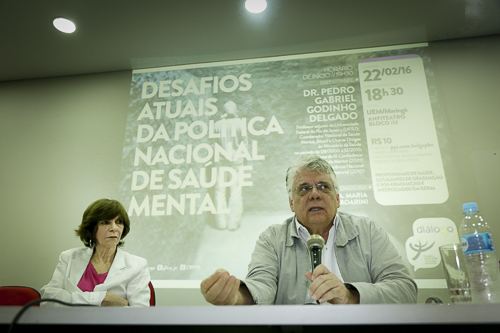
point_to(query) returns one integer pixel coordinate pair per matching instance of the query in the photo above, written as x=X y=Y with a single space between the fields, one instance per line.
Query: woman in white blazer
x=100 y=273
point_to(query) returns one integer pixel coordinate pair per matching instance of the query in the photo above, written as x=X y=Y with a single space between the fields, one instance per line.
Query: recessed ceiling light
x=64 y=25
x=256 y=6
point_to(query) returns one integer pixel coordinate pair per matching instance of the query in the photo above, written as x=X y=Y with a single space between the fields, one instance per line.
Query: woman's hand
x=113 y=300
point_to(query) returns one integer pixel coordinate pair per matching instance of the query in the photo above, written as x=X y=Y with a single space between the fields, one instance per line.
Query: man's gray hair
x=309 y=162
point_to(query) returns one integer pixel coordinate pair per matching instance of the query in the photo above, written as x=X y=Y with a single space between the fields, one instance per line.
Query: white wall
x=61 y=143
x=60 y=148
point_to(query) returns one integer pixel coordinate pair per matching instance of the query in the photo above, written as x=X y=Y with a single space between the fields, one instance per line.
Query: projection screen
x=207 y=147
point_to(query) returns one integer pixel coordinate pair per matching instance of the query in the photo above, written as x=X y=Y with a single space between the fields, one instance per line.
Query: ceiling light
x=64 y=25
x=256 y=6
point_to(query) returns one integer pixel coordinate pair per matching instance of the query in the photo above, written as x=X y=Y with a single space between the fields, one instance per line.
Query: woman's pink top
x=91 y=278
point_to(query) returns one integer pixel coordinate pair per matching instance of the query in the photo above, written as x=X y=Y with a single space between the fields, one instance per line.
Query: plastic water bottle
x=480 y=256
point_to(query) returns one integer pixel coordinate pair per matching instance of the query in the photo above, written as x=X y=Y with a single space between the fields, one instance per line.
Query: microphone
x=315 y=243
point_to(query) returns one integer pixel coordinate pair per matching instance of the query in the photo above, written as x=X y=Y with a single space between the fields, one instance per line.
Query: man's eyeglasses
x=305 y=189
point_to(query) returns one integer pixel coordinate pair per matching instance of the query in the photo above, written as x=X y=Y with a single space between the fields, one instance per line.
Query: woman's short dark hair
x=101 y=210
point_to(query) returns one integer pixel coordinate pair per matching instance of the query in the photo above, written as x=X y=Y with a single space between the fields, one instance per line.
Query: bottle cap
x=469 y=207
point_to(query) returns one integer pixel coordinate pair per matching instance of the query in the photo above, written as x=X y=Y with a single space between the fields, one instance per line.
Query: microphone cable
x=38 y=301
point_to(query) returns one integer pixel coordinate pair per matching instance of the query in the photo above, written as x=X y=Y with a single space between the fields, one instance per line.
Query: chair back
x=152 y=299
x=18 y=295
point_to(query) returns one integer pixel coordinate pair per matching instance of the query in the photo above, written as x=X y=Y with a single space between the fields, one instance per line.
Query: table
x=282 y=318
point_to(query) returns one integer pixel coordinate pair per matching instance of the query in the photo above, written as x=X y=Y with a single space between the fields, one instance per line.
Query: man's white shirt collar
x=304 y=233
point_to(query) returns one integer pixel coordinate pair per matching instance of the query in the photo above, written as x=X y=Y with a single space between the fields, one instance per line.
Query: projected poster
x=207 y=147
